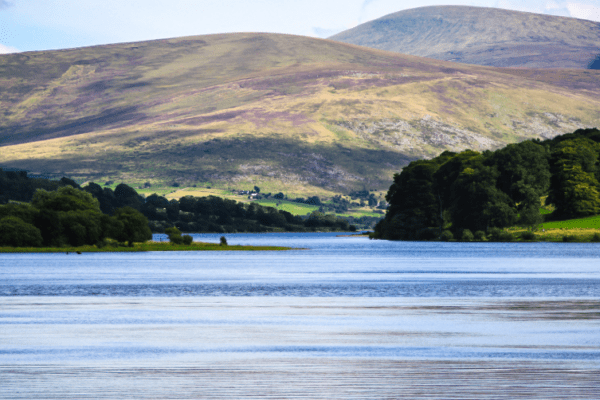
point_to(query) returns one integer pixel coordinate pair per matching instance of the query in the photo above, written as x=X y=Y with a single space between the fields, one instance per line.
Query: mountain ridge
x=482 y=36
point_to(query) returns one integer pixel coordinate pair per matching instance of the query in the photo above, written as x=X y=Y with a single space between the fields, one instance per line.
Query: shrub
x=569 y=238
x=479 y=236
x=467 y=236
x=446 y=236
x=528 y=236
x=595 y=237
x=499 y=235
x=187 y=239
x=174 y=235
x=223 y=241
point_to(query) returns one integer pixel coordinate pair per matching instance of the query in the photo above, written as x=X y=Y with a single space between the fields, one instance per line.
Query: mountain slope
x=279 y=111
x=483 y=36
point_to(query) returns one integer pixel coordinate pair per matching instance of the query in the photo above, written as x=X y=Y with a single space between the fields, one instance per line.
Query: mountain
x=483 y=36
x=286 y=113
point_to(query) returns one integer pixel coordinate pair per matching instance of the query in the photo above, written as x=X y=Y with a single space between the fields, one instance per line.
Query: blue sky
x=27 y=25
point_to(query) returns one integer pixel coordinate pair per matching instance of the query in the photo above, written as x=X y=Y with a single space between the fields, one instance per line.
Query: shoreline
x=144 y=247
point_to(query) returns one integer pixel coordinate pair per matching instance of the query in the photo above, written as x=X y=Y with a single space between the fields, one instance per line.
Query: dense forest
x=38 y=211
x=467 y=194
x=68 y=216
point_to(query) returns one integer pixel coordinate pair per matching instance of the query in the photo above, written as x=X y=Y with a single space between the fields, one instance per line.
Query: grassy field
x=284 y=205
x=573 y=230
x=299 y=115
x=289 y=206
x=559 y=234
x=579 y=223
x=139 y=247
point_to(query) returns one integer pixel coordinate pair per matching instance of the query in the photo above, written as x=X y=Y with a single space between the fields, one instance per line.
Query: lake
x=345 y=318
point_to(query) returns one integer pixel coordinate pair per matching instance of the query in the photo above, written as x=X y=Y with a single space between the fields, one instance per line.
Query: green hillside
x=293 y=114
x=483 y=36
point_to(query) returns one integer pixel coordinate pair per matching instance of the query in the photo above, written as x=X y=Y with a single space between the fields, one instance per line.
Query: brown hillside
x=274 y=110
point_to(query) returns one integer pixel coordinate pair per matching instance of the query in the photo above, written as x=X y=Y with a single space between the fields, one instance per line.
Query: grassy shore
x=558 y=235
x=139 y=247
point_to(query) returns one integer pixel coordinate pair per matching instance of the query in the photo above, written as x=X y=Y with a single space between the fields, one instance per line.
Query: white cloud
x=584 y=11
x=6 y=49
x=554 y=8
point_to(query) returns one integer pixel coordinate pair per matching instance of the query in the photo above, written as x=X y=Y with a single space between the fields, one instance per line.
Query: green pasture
x=579 y=223
x=289 y=206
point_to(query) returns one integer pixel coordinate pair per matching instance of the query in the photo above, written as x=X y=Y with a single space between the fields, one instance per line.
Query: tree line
x=68 y=217
x=217 y=215
x=42 y=212
x=472 y=193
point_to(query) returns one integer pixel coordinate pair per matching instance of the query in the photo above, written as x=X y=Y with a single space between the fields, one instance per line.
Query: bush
x=223 y=241
x=174 y=235
x=479 y=236
x=467 y=236
x=528 y=236
x=595 y=237
x=446 y=236
x=569 y=238
x=499 y=235
x=187 y=239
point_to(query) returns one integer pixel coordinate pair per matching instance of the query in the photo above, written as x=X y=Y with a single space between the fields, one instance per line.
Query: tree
x=81 y=227
x=173 y=210
x=135 y=226
x=475 y=201
x=23 y=211
x=68 y=216
x=574 y=188
x=17 y=233
x=126 y=196
x=105 y=196
x=415 y=208
x=523 y=167
x=66 y=198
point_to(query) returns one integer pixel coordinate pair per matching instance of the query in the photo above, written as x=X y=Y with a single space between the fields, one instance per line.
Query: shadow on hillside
x=112 y=117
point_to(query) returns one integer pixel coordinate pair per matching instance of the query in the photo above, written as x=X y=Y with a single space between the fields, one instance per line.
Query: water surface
x=347 y=318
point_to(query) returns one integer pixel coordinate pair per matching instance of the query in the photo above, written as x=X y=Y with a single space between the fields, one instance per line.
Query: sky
x=27 y=25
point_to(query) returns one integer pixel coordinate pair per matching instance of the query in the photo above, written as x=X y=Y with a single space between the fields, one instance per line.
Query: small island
x=141 y=247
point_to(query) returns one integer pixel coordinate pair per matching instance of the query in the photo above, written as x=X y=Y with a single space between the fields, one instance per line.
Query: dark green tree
x=574 y=189
x=414 y=207
x=68 y=216
x=17 y=233
x=134 y=226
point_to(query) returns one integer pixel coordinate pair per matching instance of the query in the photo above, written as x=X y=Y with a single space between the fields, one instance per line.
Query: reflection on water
x=349 y=318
